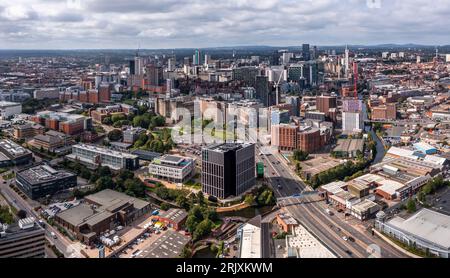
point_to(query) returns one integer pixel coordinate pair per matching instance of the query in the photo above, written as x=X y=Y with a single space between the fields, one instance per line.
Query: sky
x=120 y=24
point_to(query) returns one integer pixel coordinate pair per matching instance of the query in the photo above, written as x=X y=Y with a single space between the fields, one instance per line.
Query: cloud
x=202 y=23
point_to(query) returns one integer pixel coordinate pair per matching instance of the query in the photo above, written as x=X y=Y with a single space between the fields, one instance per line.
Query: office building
x=247 y=75
x=262 y=90
x=284 y=137
x=325 y=103
x=42 y=180
x=94 y=156
x=46 y=93
x=310 y=140
x=228 y=169
x=25 y=239
x=13 y=154
x=173 y=168
x=22 y=132
x=70 y=124
x=294 y=102
x=9 y=109
x=278 y=116
x=306 y=52
x=132 y=134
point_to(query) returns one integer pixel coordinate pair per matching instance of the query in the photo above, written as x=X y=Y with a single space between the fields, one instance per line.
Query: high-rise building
x=295 y=102
x=306 y=52
x=138 y=65
x=171 y=62
x=228 y=169
x=197 y=58
x=262 y=90
x=275 y=58
x=154 y=75
x=207 y=59
x=247 y=75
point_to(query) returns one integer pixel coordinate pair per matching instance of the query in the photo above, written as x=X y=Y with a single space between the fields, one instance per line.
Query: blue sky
x=68 y=24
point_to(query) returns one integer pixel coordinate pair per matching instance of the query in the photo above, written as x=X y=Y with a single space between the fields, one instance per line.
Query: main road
x=330 y=230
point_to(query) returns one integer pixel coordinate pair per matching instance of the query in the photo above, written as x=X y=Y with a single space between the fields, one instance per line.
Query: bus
x=260 y=170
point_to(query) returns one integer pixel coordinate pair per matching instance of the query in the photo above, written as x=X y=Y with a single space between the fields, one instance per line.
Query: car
x=349 y=252
x=345 y=238
x=279 y=186
x=351 y=239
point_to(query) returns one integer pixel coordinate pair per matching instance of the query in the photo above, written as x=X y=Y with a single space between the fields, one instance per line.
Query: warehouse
x=427 y=230
x=349 y=148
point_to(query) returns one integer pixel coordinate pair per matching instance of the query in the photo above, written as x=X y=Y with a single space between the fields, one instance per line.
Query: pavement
x=330 y=230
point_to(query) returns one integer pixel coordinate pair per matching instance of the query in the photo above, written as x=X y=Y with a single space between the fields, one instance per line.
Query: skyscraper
x=306 y=52
x=196 y=57
x=228 y=169
x=262 y=90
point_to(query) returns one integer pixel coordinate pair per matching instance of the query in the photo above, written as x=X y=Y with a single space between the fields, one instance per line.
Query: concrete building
x=173 y=168
x=13 y=154
x=352 y=122
x=427 y=230
x=285 y=137
x=46 y=93
x=132 y=134
x=9 y=109
x=228 y=169
x=325 y=103
x=70 y=124
x=310 y=140
x=42 y=180
x=25 y=239
x=94 y=156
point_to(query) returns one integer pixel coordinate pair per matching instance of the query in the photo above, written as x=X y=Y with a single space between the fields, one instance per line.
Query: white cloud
x=201 y=23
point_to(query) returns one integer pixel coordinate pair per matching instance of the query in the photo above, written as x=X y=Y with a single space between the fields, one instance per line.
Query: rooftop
x=175 y=215
x=12 y=149
x=110 y=197
x=426 y=224
x=226 y=147
x=104 y=151
x=169 y=245
x=43 y=173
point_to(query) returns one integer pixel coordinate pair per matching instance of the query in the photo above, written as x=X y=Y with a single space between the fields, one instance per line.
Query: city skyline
x=99 y=24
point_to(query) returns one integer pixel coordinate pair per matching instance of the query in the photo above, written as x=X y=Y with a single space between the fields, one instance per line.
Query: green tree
x=105 y=183
x=107 y=121
x=115 y=135
x=191 y=223
x=202 y=229
x=300 y=155
x=165 y=206
x=411 y=206
x=249 y=199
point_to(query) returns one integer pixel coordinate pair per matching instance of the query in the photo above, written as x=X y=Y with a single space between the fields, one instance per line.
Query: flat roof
x=226 y=147
x=77 y=215
x=390 y=186
x=12 y=149
x=104 y=151
x=169 y=245
x=109 y=197
x=364 y=205
x=43 y=173
x=250 y=241
x=426 y=224
x=349 y=145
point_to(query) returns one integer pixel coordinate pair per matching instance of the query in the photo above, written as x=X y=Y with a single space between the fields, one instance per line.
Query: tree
x=104 y=171
x=300 y=155
x=411 y=206
x=202 y=229
x=105 y=183
x=118 y=117
x=165 y=206
x=115 y=135
x=107 y=121
x=249 y=199
x=200 y=198
x=186 y=253
x=182 y=202
x=191 y=223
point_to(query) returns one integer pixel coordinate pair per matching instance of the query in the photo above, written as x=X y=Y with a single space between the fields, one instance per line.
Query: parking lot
x=441 y=201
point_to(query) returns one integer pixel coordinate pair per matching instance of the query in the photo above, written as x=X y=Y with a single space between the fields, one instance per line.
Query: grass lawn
x=9 y=176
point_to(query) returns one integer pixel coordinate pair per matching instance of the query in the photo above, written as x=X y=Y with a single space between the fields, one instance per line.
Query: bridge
x=302 y=198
